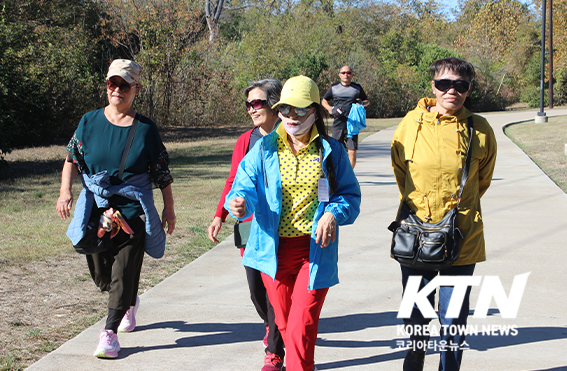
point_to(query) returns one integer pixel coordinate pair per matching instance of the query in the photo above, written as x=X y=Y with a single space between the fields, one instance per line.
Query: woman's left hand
x=326 y=229
x=168 y=217
x=168 y=213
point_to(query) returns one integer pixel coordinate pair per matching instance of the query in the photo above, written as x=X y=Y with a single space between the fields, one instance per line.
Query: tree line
x=197 y=55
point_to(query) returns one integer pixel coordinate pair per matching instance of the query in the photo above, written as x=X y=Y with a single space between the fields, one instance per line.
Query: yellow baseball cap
x=125 y=68
x=299 y=91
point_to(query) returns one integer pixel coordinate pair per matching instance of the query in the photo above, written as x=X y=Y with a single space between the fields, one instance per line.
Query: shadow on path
x=215 y=334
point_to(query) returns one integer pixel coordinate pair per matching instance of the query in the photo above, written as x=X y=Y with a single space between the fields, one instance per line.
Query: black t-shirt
x=254 y=137
x=344 y=96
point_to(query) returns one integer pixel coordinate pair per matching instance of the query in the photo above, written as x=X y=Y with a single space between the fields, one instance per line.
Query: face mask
x=297 y=130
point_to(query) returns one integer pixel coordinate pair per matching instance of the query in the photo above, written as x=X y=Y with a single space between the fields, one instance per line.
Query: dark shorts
x=340 y=134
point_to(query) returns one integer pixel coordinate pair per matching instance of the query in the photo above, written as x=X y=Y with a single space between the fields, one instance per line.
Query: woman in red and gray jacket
x=260 y=97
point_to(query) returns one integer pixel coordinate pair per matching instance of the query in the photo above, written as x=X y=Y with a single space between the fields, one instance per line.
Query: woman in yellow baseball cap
x=300 y=186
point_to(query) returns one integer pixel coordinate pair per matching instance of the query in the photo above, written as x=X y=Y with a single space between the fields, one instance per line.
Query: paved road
x=201 y=318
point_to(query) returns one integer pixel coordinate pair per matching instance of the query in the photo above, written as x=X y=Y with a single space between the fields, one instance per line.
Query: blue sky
x=450 y=4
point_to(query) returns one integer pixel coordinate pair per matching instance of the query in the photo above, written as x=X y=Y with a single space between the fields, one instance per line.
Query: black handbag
x=241 y=233
x=91 y=243
x=429 y=246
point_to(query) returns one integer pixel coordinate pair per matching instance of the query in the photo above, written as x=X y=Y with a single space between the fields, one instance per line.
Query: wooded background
x=197 y=55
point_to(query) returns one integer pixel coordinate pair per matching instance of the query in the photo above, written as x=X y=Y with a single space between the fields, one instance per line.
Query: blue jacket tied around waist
x=98 y=188
x=258 y=181
x=356 y=120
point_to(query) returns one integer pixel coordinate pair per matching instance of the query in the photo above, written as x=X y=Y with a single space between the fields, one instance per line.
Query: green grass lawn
x=32 y=230
x=200 y=162
x=33 y=236
x=545 y=144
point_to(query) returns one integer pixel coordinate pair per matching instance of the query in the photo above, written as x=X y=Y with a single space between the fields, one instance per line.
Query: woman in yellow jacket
x=428 y=154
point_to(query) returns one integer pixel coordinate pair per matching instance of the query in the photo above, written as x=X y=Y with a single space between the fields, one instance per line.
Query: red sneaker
x=272 y=362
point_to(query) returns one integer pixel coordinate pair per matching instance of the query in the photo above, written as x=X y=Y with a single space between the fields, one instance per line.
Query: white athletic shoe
x=108 y=346
x=128 y=323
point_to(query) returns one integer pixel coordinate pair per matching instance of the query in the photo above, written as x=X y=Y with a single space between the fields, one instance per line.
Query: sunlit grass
x=32 y=230
x=375 y=125
x=545 y=144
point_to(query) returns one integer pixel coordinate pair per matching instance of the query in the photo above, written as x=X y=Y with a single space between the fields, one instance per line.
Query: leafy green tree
x=496 y=39
x=47 y=78
x=559 y=49
x=185 y=80
x=54 y=55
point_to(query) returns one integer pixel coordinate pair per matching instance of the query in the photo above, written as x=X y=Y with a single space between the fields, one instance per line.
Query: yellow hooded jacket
x=428 y=155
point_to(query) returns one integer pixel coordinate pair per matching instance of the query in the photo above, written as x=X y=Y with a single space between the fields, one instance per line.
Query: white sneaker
x=108 y=346
x=128 y=323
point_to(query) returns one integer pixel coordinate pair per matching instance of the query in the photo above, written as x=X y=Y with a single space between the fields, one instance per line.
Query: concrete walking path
x=201 y=318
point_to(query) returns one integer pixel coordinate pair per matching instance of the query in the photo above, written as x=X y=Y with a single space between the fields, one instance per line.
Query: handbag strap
x=128 y=146
x=465 y=175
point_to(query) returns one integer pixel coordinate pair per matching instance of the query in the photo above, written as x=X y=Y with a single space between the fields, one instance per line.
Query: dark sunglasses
x=256 y=103
x=285 y=109
x=124 y=87
x=346 y=72
x=462 y=86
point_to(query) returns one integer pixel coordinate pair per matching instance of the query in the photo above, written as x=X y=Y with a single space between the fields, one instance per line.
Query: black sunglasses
x=124 y=87
x=285 y=109
x=256 y=103
x=462 y=86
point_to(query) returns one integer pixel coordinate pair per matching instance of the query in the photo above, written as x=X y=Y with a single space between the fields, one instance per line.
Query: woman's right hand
x=65 y=202
x=214 y=229
x=64 y=205
x=237 y=207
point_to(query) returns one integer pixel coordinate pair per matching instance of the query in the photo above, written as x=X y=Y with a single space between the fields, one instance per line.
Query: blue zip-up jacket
x=98 y=188
x=356 y=120
x=258 y=181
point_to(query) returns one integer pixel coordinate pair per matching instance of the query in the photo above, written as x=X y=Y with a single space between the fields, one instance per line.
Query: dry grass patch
x=48 y=295
x=375 y=125
x=545 y=145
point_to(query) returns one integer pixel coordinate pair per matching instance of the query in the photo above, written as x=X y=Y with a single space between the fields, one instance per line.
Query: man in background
x=343 y=94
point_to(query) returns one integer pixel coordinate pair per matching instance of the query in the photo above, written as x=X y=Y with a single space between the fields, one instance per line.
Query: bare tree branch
x=213 y=22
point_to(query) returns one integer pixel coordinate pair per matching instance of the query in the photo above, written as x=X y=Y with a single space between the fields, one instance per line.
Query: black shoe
x=414 y=361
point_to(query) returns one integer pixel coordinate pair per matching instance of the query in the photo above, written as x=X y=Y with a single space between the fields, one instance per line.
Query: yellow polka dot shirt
x=300 y=176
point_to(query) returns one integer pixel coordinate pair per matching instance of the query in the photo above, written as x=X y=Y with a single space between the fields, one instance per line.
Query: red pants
x=297 y=310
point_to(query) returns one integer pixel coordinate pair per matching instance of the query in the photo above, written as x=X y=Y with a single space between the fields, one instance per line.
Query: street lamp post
x=541 y=117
